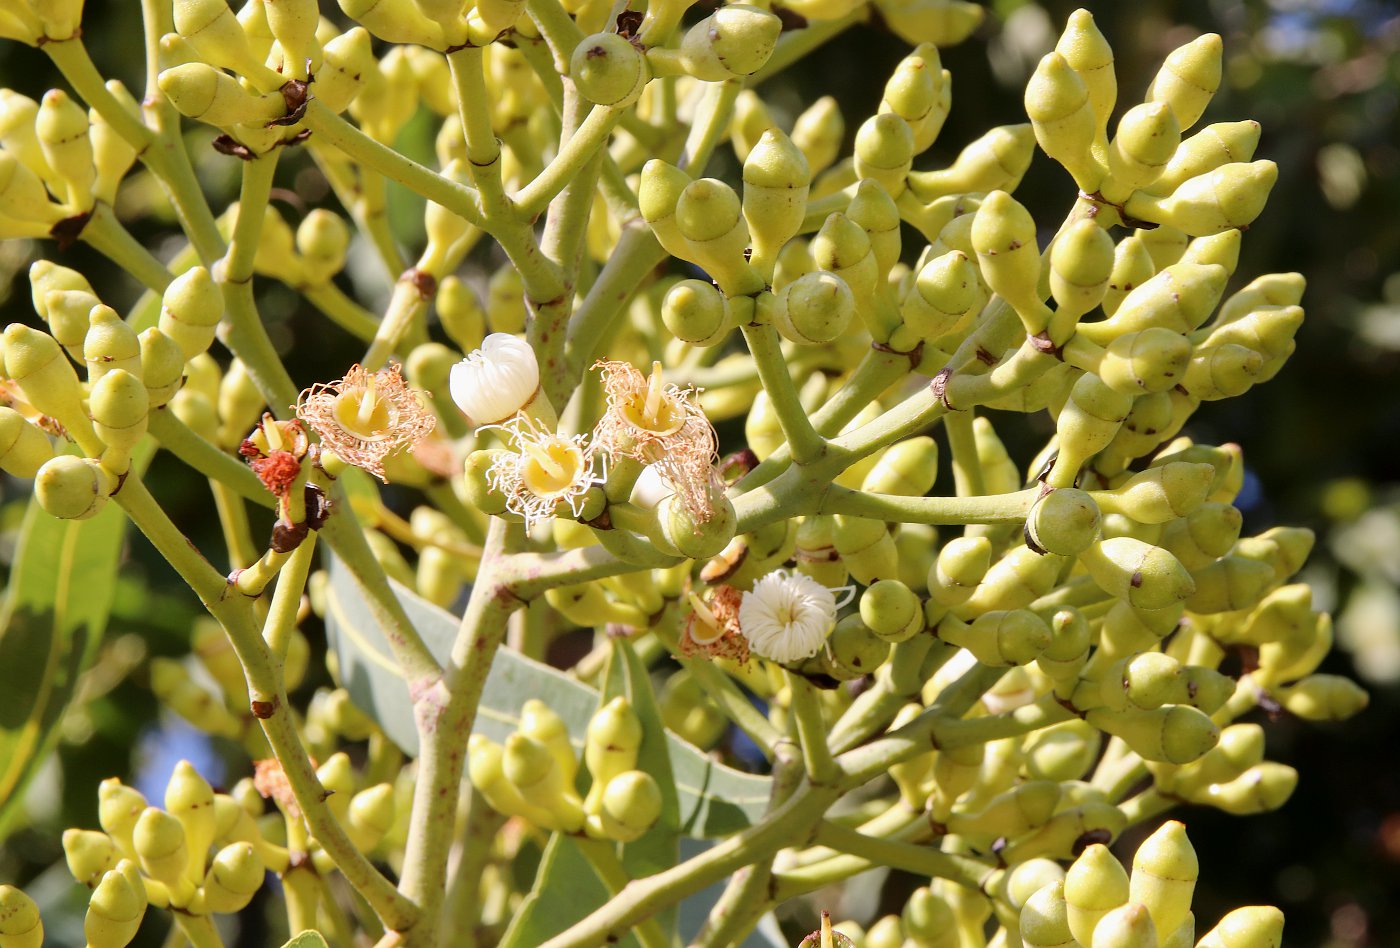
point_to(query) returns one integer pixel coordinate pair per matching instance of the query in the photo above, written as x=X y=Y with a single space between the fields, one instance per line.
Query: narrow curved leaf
x=712 y=799
x=566 y=890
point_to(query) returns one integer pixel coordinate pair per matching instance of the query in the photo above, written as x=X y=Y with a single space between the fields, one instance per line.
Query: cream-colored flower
x=365 y=417
x=545 y=469
x=497 y=380
x=787 y=617
x=663 y=426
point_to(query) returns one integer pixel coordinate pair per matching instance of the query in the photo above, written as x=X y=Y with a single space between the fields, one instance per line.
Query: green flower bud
x=159 y=839
x=776 y=183
x=819 y=132
x=1229 y=584
x=1260 y=789
x=216 y=35
x=1044 y=919
x=1145 y=576
x=1128 y=926
x=610 y=746
x=1012 y=813
x=1188 y=80
x=1087 y=52
x=1268 y=331
x=72 y=488
x=54 y=286
x=530 y=766
x=1003 y=234
x=1027 y=878
x=162 y=366
x=114 y=912
x=34 y=361
x=294 y=23
x=1164 y=876
x=1178 y=299
x=608 y=70
x=1059 y=838
x=1070 y=638
x=996 y=161
x=885 y=933
x=891 y=610
x=1167 y=245
x=874 y=211
x=1325 y=698
x=631 y=805
x=686 y=710
x=1231 y=196
x=370 y=816
x=927 y=917
x=396 y=21
x=322 y=239
x=907 y=469
x=1014 y=582
x=814 y=309
x=1272 y=289
x=538 y=721
x=1254 y=926
x=1206 y=533
x=1151 y=360
x=866 y=548
x=1064 y=521
x=485 y=768
x=201 y=92
x=733 y=42
x=190 y=799
x=707 y=216
x=1174 y=734
x=1087 y=424
x=884 y=151
x=1063 y=751
x=1081 y=263
x=942 y=297
x=1062 y=114
x=1094 y=885
x=751 y=120
x=191 y=308
x=346 y=62
x=20 y=924
x=110 y=344
x=1132 y=267
x=23 y=198
x=1210 y=148
x=854 y=650
x=692 y=537
x=999 y=638
x=942 y=23
x=61 y=127
x=90 y=855
x=120 y=407
x=1147 y=137
x=919 y=91
x=460 y=313
x=962 y=564
x=1222 y=249
x=337 y=778
x=843 y=247
x=1160 y=494
x=235 y=875
x=24 y=449
x=118 y=808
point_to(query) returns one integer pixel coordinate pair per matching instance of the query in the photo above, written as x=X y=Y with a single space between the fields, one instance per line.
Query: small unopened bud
x=1161 y=494
x=941 y=297
x=72 y=488
x=1044 y=918
x=90 y=855
x=776 y=182
x=999 y=638
x=20 y=924
x=1232 y=195
x=961 y=566
x=733 y=42
x=1147 y=137
x=1064 y=521
x=884 y=151
x=708 y=217
x=1087 y=52
x=694 y=312
x=1128 y=926
x=1211 y=147
x=396 y=21
x=610 y=746
x=814 y=309
x=162 y=366
x=1146 y=576
x=191 y=308
x=346 y=63
x=160 y=844
x=996 y=161
x=23 y=448
x=201 y=92
x=63 y=132
x=1081 y=263
x=1062 y=113
x=1173 y=734
x=819 y=132
x=322 y=238
x=1254 y=926
x=1094 y=885
x=1325 y=698
x=120 y=408
x=608 y=70
x=891 y=610
x=1003 y=234
x=234 y=876
x=1188 y=80
x=1164 y=875
x=631 y=804
x=691 y=536
x=114 y=911
x=927 y=916
x=1178 y=299
x=216 y=35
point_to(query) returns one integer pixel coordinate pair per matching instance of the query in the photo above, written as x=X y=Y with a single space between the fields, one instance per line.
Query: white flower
x=497 y=380
x=787 y=617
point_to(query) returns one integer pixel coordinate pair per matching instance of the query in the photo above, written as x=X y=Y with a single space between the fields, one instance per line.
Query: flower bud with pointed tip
x=941 y=297
x=159 y=839
x=162 y=366
x=999 y=638
x=1062 y=113
x=996 y=161
x=1160 y=494
x=1081 y=263
x=918 y=93
x=235 y=875
x=733 y=42
x=1189 y=78
x=1254 y=926
x=1087 y=424
x=1174 y=734
x=115 y=911
x=1132 y=267
x=120 y=408
x=891 y=610
x=190 y=799
x=323 y=239
x=24 y=449
x=907 y=469
x=708 y=217
x=1147 y=137
x=1147 y=361
x=940 y=23
x=1229 y=584
x=216 y=35
x=814 y=309
x=1044 y=919
x=610 y=746
x=1324 y=698
x=530 y=766
x=209 y=95
x=819 y=132
x=1094 y=885
x=63 y=132
x=873 y=210
x=370 y=816
x=23 y=198
x=1003 y=234
x=1128 y=926
x=927 y=916
x=776 y=183
x=1145 y=576
x=110 y=344
x=346 y=62
x=1179 y=299
x=1087 y=52
x=90 y=855
x=539 y=721
x=1164 y=876
x=1231 y=196
x=396 y=21
x=866 y=548
x=1064 y=657
x=961 y=566
x=191 y=308
x=884 y=151
x=20 y=924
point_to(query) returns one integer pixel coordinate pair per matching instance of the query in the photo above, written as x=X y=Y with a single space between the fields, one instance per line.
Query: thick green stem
x=804 y=444
x=105 y=234
x=994 y=508
x=602 y=856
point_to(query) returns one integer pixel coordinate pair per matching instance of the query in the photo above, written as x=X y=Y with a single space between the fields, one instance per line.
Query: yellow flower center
x=363 y=414
x=553 y=466
x=653 y=411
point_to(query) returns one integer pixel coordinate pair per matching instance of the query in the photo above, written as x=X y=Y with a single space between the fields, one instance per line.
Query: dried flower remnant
x=272 y=784
x=660 y=425
x=545 y=469
x=787 y=617
x=274 y=451
x=366 y=417
x=712 y=628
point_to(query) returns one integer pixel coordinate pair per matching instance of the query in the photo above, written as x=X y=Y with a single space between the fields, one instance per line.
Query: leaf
x=713 y=800
x=57 y=601
x=566 y=890
x=307 y=939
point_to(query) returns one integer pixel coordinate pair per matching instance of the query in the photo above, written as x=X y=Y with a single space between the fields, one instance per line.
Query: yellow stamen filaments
x=363 y=418
x=545 y=469
x=664 y=426
x=713 y=628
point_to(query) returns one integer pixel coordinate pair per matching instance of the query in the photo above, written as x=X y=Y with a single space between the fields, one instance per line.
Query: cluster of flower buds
x=533 y=775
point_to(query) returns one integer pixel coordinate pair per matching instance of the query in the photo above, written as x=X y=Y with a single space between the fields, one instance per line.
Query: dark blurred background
x=1322 y=440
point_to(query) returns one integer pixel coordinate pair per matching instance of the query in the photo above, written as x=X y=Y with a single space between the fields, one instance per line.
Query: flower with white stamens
x=787 y=617
x=497 y=380
x=545 y=470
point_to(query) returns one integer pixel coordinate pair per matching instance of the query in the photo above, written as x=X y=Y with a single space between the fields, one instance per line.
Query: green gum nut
x=396 y=21
x=907 y=469
x=631 y=805
x=1206 y=533
x=1087 y=52
x=1271 y=289
x=1229 y=584
x=191 y=308
x=1325 y=698
x=162 y=366
x=370 y=816
x=1213 y=146
x=1063 y=751
x=1000 y=638
x=114 y=911
x=1062 y=114
x=819 y=132
x=24 y=449
x=90 y=855
x=1149 y=361
x=72 y=488
x=209 y=95
x=927 y=919
x=1003 y=234
x=530 y=766
x=477 y=486
x=539 y=721
x=1147 y=137
x=1016 y=580
x=610 y=746
x=1132 y=267
x=866 y=548
x=1178 y=299
x=708 y=216
x=1189 y=79
x=159 y=839
x=691 y=536
x=429 y=366
x=891 y=610
x=20 y=924
x=110 y=344
x=1241 y=747
x=1044 y=919
x=1081 y=262
x=460 y=313
x=1128 y=926
x=874 y=211
x=733 y=42
x=961 y=566
x=1064 y=522
x=190 y=799
x=61 y=126
x=17 y=114
x=915 y=92
x=854 y=650
x=1087 y=424
x=322 y=239
x=1070 y=638
x=1161 y=494
x=843 y=247
x=1174 y=734
x=346 y=61
x=1231 y=196
x=1094 y=885
x=608 y=70
x=1262 y=788
x=1254 y=926
x=1164 y=876
x=884 y=152
x=216 y=35
x=1166 y=245
x=120 y=407
x=814 y=309
x=235 y=875
x=1144 y=576
x=776 y=183
x=941 y=297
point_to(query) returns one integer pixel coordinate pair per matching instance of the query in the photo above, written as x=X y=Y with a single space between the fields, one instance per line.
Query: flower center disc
x=552 y=467
x=364 y=415
x=666 y=421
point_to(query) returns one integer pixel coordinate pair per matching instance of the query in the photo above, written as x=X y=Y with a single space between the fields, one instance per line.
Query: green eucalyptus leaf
x=712 y=799
x=307 y=939
x=566 y=890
